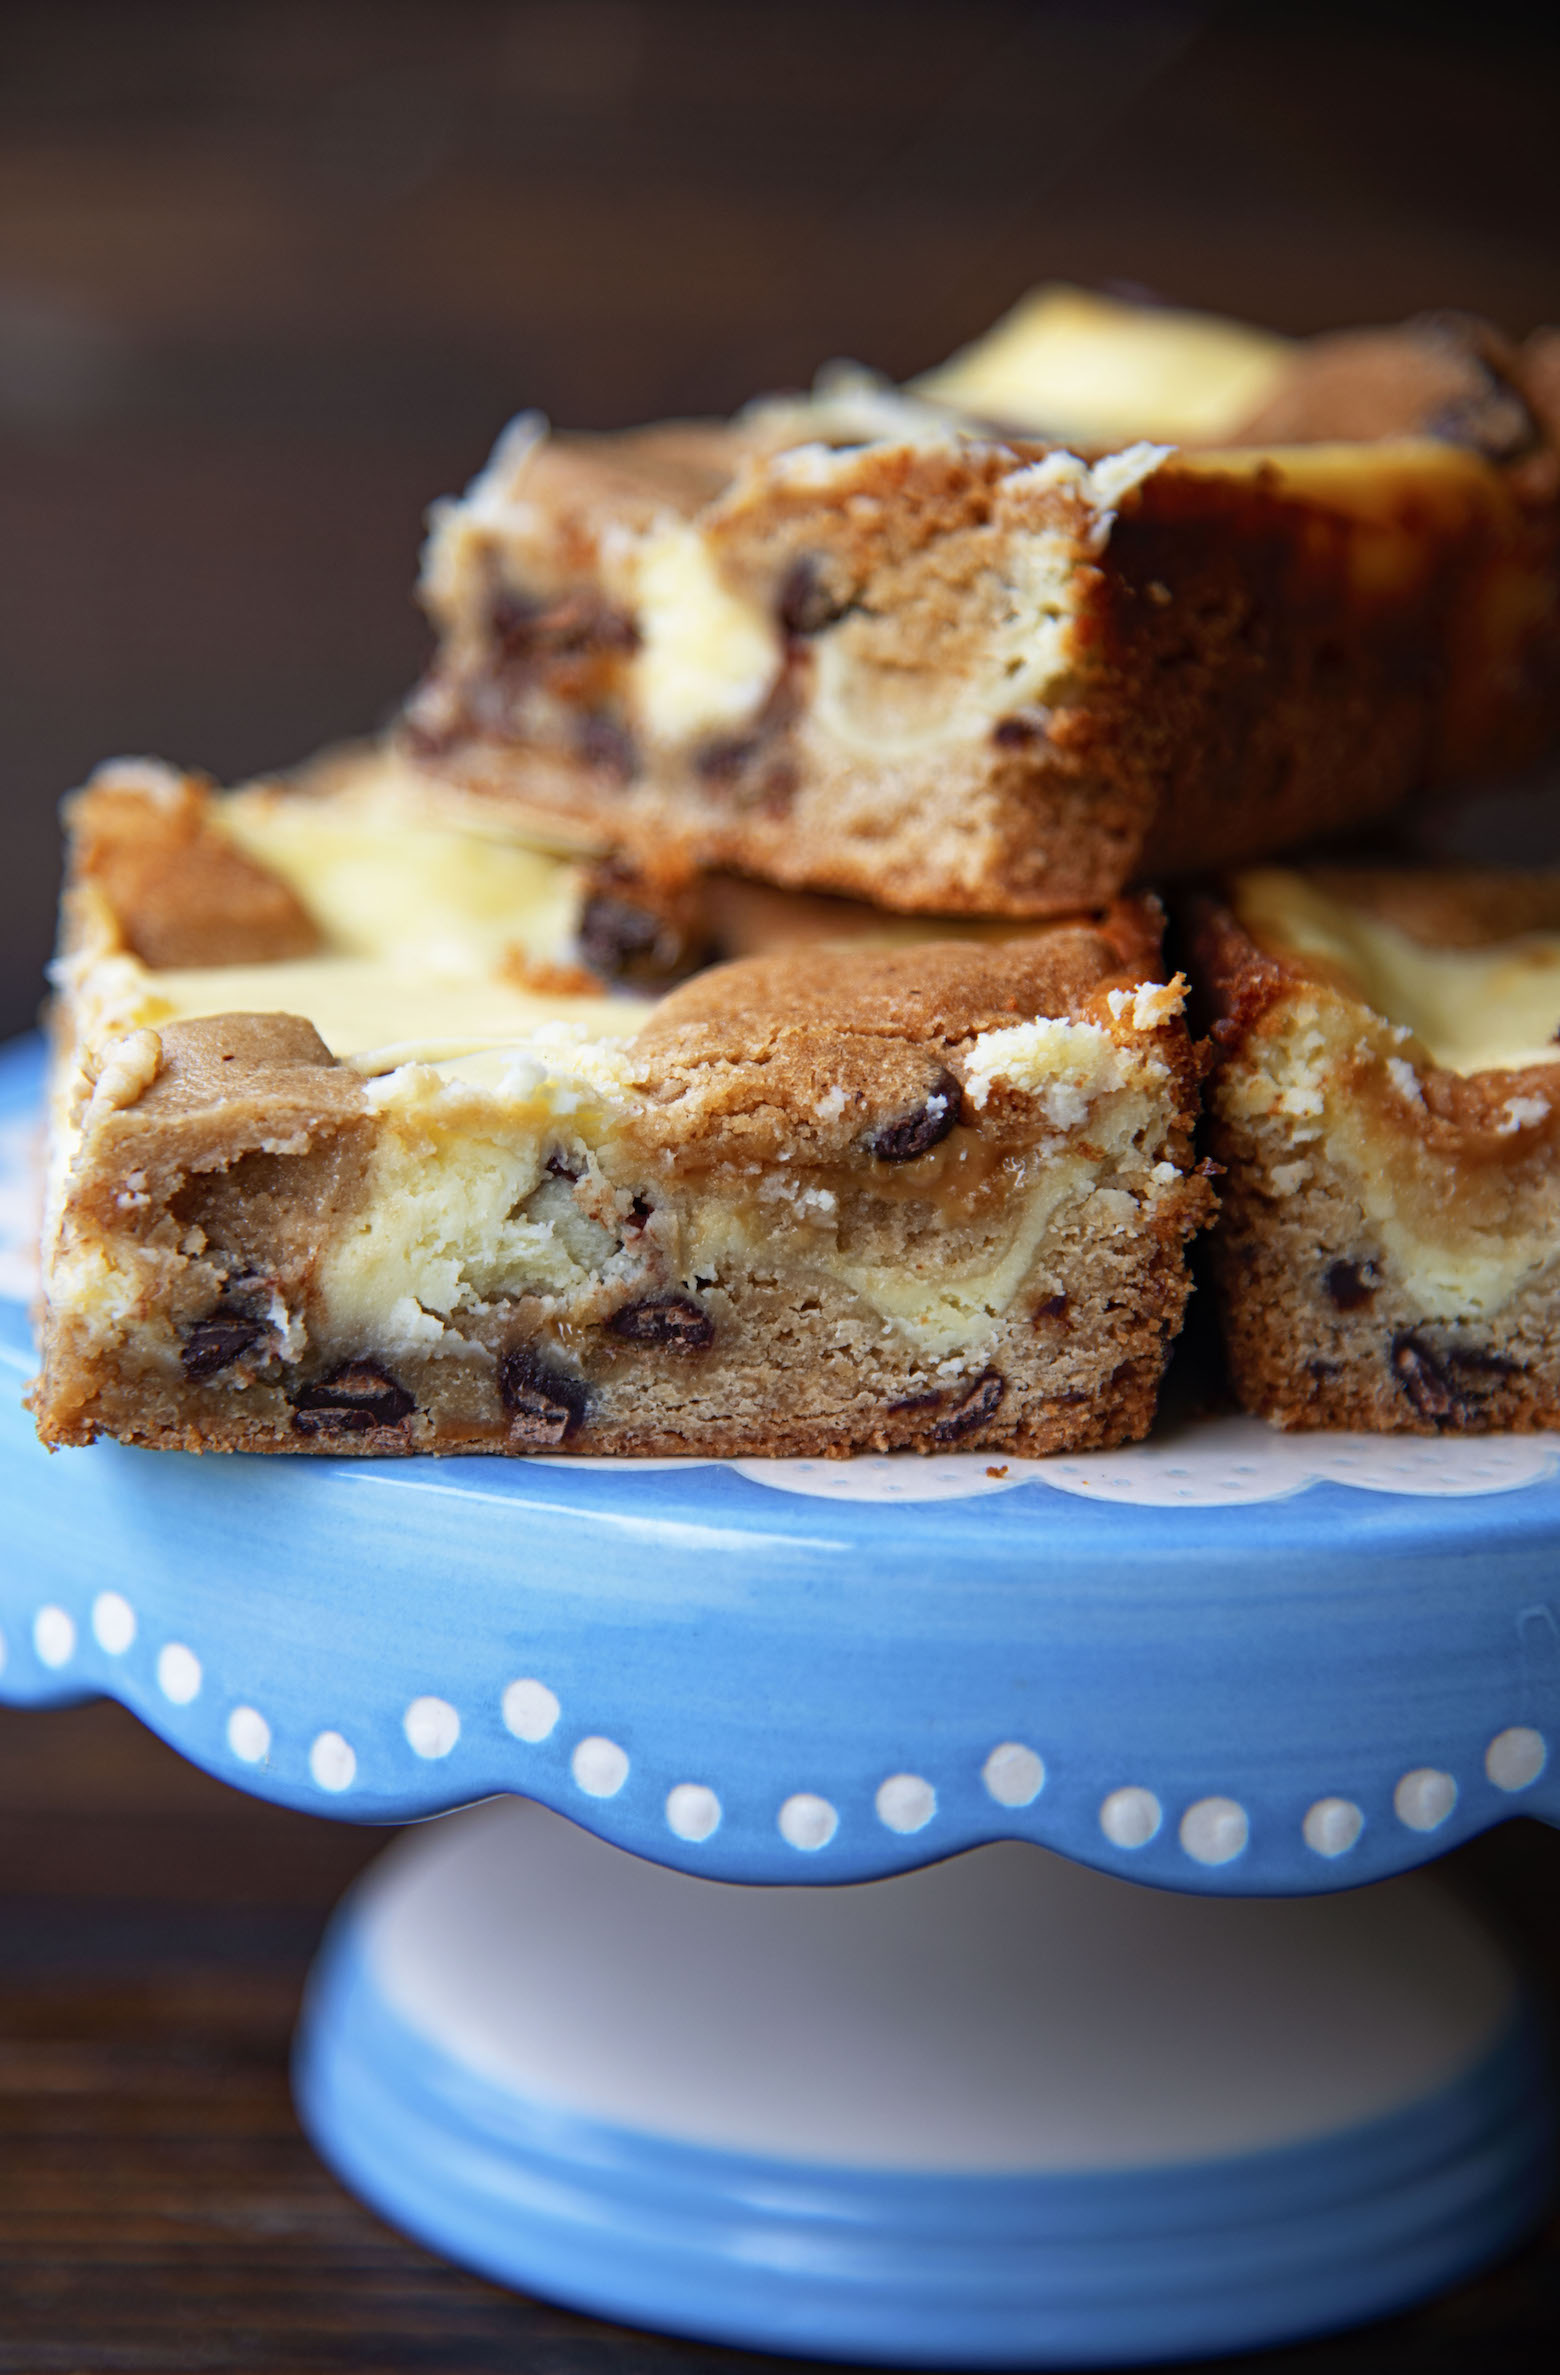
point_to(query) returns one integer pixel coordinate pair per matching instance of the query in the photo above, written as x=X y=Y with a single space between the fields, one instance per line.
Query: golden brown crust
x=934 y=992
x=145 y=839
x=756 y=1053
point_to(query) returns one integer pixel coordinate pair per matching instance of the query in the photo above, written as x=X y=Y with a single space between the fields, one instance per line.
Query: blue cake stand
x=1000 y=2110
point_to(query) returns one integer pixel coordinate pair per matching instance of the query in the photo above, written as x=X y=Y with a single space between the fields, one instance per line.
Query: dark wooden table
x=160 y=2214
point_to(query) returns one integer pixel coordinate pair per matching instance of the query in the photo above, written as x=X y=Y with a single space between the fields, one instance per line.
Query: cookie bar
x=1386 y=1104
x=860 y=647
x=362 y=1193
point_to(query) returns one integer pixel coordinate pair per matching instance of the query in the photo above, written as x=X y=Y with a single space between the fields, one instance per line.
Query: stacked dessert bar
x=730 y=1015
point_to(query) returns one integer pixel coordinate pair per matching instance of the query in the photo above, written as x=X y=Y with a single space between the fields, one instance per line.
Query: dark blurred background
x=272 y=274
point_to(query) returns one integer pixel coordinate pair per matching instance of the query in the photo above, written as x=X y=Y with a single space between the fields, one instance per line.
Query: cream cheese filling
x=1490 y=1009
x=446 y=1228
x=381 y=879
x=420 y=918
x=1077 y=365
x=1457 y=1268
x=378 y=1013
x=708 y=658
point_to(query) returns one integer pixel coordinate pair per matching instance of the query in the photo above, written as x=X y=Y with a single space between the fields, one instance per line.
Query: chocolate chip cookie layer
x=837 y=1196
x=864 y=645
x=1386 y=1104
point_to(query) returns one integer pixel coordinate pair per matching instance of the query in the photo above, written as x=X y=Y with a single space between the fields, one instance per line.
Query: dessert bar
x=338 y=1166
x=868 y=645
x=1386 y=1106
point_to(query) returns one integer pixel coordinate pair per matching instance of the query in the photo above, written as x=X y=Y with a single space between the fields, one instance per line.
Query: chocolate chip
x=1422 y=1378
x=721 y=760
x=1023 y=728
x=1352 y=1284
x=639 y=924
x=614 y=935
x=1054 y=1307
x=1480 y=1363
x=214 y=1343
x=351 y=1400
x=512 y=623
x=805 y=605
x=604 y=744
x=727 y=762
x=675 y=1320
x=916 y=1402
x=973 y=1409
x=608 y=629
x=544 y=1403
x=779 y=787
x=1451 y=1384
x=918 y=1132
x=526 y=629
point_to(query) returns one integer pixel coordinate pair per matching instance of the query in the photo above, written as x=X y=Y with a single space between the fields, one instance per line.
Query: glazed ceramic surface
x=1003 y=2111
x=1223 y=1661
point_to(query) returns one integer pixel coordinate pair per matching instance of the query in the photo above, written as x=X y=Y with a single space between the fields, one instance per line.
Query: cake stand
x=1003 y=2107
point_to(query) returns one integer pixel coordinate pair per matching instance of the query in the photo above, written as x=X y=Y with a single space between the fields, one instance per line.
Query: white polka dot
x=1515 y=1758
x=600 y=1767
x=1013 y=1774
x=1215 y=1830
x=432 y=1727
x=905 y=1802
x=54 y=1636
x=249 y=1735
x=530 y=1709
x=1424 y=1798
x=333 y=1762
x=178 y=1673
x=692 y=1811
x=808 y=1822
x=1131 y=1817
x=113 y=1621
x=1332 y=1826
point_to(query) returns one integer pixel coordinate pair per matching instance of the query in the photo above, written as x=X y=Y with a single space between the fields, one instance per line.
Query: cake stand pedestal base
x=1001 y=2111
